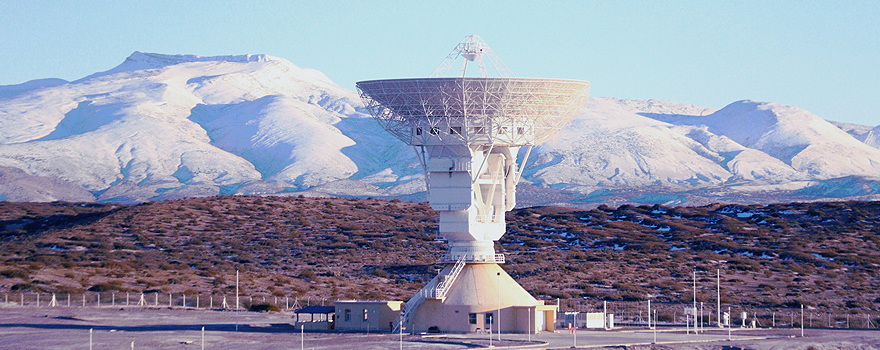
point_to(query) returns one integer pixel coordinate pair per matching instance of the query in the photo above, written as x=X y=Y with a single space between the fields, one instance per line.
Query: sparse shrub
x=264 y=307
x=307 y=274
x=106 y=287
x=381 y=273
x=15 y=274
x=20 y=286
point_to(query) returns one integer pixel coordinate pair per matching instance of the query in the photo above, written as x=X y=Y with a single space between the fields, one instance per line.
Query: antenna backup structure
x=467 y=133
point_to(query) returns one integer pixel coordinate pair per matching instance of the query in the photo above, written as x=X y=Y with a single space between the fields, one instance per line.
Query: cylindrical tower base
x=472 y=252
x=483 y=296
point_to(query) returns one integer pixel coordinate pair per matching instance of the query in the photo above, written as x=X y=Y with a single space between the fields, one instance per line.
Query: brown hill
x=821 y=254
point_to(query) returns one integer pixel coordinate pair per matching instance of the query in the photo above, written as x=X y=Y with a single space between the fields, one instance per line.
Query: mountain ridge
x=159 y=127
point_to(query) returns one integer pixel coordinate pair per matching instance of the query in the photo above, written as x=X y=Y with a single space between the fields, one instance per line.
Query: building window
x=347 y=315
x=520 y=130
x=435 y=131
x=472 y=318
x=455 y=130
x=479 y=130
x=418 y=131
x=366 y=315
x=502 y=130
x=489 y=318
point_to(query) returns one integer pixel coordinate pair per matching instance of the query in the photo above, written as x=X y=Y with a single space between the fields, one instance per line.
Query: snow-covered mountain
x=161 y=127
x=168 y=126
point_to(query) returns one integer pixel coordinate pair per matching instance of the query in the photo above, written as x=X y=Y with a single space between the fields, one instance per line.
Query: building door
x=539 y=321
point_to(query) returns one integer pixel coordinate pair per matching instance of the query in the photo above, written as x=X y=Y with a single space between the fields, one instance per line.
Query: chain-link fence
x=635 y=314
x=155 y=299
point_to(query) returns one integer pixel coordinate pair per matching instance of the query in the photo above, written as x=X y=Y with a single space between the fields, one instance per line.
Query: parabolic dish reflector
x=490 y=111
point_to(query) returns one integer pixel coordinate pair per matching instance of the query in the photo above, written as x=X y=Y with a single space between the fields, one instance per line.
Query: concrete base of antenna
x=474 y=295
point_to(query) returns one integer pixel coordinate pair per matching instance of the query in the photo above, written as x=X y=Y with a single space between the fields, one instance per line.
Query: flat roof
x=316 y=309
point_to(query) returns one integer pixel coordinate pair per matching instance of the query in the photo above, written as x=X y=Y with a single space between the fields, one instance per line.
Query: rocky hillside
x=826 y=255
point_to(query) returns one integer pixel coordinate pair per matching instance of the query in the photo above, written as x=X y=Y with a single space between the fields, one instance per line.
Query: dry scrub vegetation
x=824 y=255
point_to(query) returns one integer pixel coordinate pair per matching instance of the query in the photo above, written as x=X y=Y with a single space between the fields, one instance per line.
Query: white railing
x=497 y=258
x=447 y=280
x=412 y=304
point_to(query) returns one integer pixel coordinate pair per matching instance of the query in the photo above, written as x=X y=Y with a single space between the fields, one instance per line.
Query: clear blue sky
x=822 y=56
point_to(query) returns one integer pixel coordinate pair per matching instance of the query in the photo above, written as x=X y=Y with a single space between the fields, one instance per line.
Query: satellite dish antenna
x=467 y=133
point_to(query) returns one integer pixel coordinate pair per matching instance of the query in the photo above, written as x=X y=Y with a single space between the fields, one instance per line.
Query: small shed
x=315 y=317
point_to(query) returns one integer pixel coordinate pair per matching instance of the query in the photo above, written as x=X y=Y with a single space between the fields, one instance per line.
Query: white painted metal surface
x=468 y=133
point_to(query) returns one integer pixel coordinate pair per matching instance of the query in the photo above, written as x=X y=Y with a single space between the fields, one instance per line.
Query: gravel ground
x=787 y=339
x=162 y=328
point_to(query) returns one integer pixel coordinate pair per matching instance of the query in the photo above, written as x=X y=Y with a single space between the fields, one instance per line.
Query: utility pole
x=236 y=289
x=802 y=320
x=729 y=324
x=695 y=301
x=499 y=306
x=719 y=297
